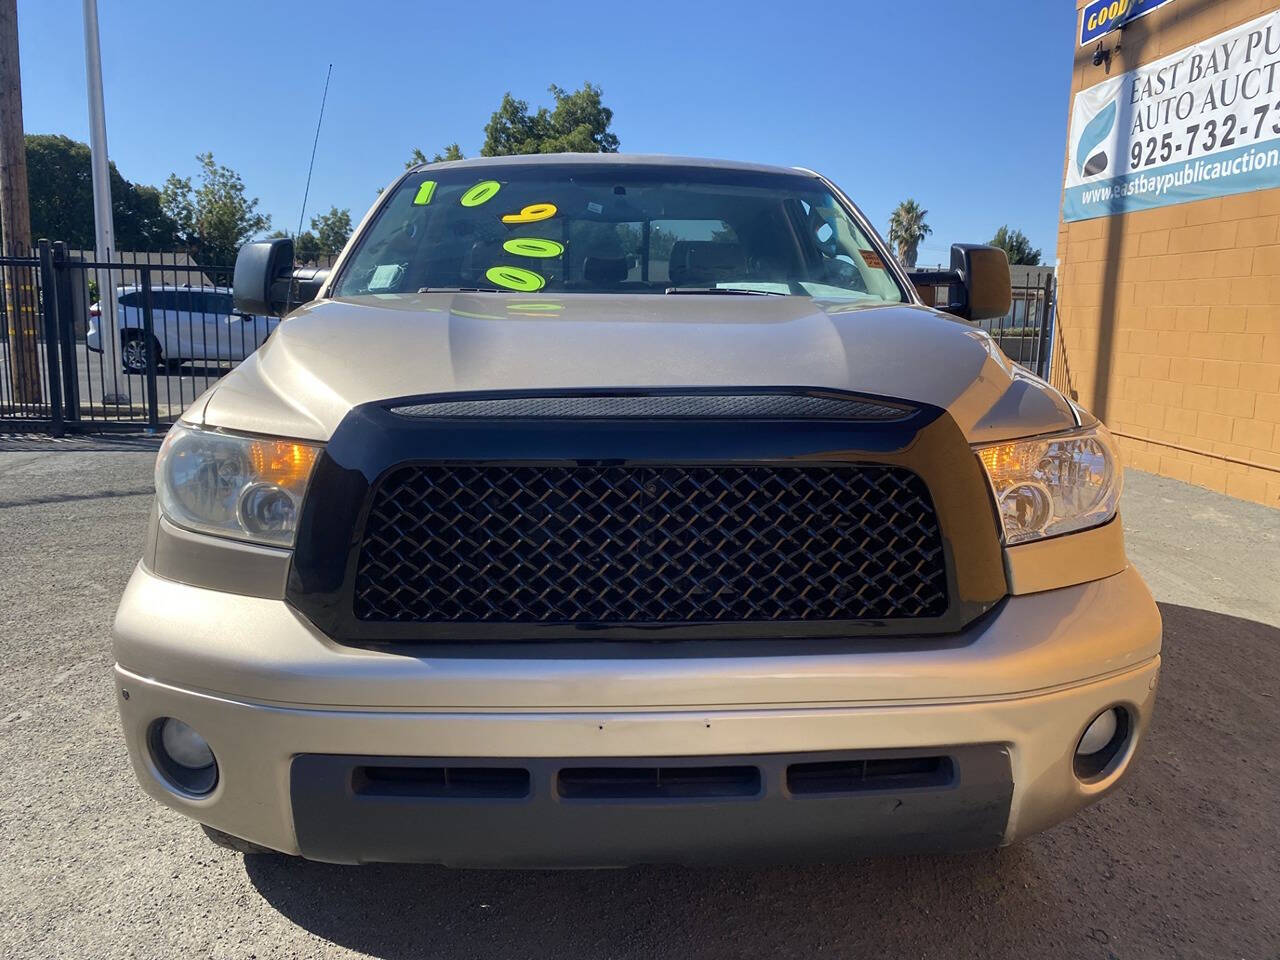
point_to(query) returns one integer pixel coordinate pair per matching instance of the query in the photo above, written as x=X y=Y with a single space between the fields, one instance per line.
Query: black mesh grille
x=704 y=406
x=627 y=545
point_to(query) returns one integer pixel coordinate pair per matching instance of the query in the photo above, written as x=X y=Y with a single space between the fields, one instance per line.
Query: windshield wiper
x=735 y=291
x=462 y=290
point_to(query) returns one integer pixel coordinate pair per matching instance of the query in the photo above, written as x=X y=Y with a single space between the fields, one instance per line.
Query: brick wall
x=1169 y=319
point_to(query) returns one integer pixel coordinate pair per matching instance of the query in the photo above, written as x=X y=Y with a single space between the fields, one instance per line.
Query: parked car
x=604 y=510
x=189 y=324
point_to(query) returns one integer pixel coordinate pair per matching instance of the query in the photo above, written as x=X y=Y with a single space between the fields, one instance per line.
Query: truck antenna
x=320 y=119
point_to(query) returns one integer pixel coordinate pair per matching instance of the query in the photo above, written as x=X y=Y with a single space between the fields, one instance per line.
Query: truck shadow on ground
x=396 y=911
x=1184 y=853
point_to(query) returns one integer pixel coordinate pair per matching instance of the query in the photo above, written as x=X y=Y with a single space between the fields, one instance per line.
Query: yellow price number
x=532 y=213
x=516 y=278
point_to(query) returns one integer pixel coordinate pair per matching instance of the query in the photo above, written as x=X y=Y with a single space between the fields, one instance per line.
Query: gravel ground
x=1184 y=861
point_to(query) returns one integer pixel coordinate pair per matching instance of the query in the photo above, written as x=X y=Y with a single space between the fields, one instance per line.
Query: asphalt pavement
x=1183 y=861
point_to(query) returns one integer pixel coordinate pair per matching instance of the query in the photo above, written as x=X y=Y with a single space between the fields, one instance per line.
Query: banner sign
x=1102 y=16
x=1202 y=122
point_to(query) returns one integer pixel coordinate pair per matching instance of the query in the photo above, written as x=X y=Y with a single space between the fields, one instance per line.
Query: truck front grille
x=649 y=545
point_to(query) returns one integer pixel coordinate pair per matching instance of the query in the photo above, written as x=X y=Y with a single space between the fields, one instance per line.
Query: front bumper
x=291 y=716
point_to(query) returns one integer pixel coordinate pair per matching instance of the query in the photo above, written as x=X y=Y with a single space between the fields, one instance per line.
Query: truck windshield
x=616 y=228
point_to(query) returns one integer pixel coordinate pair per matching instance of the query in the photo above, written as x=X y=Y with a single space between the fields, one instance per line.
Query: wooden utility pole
x=22 y=313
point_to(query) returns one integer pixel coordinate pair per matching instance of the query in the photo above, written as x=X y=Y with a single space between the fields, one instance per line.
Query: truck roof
x=612 y=159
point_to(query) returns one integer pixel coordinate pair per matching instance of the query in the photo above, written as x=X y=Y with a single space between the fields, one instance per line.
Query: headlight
x=249 y=488
x=1055 y=484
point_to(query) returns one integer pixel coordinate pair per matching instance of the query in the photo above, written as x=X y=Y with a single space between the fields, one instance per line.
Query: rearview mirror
x=984 y=278
x=260 y=284
x=977 y=287
x=307 y=282
x=265 y=282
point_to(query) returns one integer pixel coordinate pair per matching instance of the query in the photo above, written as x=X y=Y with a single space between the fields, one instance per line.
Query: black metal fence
x=1025 y=333
x=174 y=332
x=28 y=377
x=174 y=328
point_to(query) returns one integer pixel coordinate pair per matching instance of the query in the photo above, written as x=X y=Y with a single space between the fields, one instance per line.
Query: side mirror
x=260 y=284
x=265 y=282
x=984 y=278
x=307 y=282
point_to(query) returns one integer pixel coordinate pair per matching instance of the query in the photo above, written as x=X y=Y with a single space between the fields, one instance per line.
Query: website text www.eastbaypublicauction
x=1201 y=171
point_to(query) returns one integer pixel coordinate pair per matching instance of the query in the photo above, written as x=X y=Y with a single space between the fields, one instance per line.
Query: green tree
x=451 y=152
x=578 y=123
x=907 y=227
x=1017 y=246
x=328 y=235
x=215 y=218
x=305 y=244
x=60 y=181
x=332 y=231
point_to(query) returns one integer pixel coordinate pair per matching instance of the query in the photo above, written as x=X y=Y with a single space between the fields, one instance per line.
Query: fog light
x=1103 y=744
x=186 y=747
x=1099 y=734
x=183 y=756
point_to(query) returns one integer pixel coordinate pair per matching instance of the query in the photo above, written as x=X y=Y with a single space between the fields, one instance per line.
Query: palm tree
x=906 y=229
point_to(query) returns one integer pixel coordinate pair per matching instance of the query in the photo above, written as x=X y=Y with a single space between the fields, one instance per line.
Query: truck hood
x=332 y=355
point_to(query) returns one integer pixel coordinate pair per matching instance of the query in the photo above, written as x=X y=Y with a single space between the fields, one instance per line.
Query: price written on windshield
x=1205 y=137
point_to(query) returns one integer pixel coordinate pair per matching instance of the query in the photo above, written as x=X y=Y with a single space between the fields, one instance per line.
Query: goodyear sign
x=1103 y=16
x=1201 y=122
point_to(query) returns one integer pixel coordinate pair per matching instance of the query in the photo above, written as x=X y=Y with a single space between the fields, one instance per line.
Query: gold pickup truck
x=602 y=510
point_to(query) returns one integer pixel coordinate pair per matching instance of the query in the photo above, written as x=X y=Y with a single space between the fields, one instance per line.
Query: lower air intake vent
x=657 y=783
x=855 y=776
x=456 y=782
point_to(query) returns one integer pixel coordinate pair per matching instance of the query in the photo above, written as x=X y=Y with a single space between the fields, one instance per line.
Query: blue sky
x=961 y=105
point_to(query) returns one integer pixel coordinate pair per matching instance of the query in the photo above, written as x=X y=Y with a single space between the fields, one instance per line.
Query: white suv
x=188 y=324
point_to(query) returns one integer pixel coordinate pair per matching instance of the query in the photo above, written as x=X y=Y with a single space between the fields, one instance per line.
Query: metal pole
x=1046 y=333
x=49 y=289
x=73 y=305
x=15 y=221
x=148 y=343
x=104 y=229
